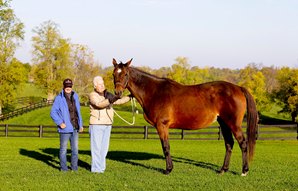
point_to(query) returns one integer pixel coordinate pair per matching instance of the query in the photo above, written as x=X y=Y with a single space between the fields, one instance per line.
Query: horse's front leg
x=166 y=150
x=163 y=132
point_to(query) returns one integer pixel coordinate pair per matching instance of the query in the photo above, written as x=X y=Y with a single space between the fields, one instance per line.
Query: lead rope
x=133 y=105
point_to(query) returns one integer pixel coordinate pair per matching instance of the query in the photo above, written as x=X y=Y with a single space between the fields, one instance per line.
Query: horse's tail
x=252 y=122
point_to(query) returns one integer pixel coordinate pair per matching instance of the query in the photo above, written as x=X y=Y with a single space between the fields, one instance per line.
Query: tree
x=107 y=76
x=85 y=69
x=51 y=58
x=180 y=70
x=162 y=72
x=251 y=78
x=270 y=74
x=223 y=74
x=286 y=94
x=11 y=32
x=198 y=75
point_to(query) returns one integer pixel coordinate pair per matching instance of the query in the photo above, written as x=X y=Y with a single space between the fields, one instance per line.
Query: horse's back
x=197 y=106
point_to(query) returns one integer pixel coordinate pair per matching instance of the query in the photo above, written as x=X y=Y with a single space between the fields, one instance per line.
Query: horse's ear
x=114 y=62
x=128 y=63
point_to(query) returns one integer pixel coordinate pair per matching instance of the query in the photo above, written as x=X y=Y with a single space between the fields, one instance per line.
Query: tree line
x=55 y=58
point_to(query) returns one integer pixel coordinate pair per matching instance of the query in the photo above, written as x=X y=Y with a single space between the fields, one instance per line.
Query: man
x=66 y=115
x=101 y=119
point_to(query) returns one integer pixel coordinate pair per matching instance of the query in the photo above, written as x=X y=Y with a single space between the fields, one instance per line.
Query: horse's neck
x=141 y=85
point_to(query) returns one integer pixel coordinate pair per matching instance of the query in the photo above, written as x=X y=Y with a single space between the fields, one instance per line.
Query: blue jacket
x=60 y=113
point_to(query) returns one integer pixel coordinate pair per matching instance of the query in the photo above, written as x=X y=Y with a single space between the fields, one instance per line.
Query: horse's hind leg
x=243 y=146
x=229 y=143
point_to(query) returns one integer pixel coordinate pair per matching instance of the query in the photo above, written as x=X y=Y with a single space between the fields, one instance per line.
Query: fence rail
x=29 y=100
x=25 y=109
x=265 y=132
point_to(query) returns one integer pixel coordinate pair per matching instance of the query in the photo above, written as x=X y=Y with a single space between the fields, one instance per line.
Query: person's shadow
x=50 y=156
x=48 y=159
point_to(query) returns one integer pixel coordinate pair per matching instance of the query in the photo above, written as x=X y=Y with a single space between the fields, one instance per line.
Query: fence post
x=258 y=132
x=40 y=131
x=146 y=132
x=297 y=131
x=182 y=134
x=6 y=130
x=219 y=134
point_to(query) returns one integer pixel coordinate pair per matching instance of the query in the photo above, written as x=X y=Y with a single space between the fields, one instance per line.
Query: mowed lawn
x=33 y=164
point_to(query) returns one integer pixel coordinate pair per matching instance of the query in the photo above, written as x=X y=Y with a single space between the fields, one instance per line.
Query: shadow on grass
x=127 y=157
x=50 y=156
x=201 y=164
x=49 y=160
x=266 y=120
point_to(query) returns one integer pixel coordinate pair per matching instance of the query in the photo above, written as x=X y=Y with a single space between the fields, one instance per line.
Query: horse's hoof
x=222 y=171
x=244 y=174
x=166 y=172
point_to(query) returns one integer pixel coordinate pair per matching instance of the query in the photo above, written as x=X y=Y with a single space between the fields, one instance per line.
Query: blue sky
x=213 y=33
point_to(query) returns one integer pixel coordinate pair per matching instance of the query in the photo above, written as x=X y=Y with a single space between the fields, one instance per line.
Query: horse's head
x=121 y=76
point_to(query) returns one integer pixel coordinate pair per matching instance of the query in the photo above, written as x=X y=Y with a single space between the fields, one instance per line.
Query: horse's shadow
x=131 y=157
x=50 y=157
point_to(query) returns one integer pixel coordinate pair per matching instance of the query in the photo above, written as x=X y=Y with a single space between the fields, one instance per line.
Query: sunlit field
x=33 y=164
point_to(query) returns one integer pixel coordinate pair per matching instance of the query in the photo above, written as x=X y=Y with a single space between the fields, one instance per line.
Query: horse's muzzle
x=119 y=88
x=118 y=92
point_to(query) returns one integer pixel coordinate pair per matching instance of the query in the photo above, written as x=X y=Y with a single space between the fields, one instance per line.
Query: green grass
x=32 y=164
x=29 y=90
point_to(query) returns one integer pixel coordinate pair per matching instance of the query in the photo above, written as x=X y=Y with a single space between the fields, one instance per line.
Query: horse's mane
x=154 y=76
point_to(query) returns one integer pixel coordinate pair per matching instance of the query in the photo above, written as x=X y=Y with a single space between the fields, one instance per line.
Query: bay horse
x=168 y=104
